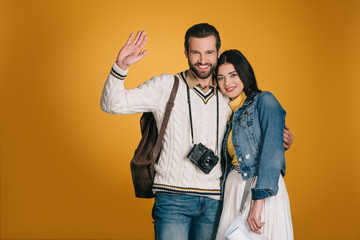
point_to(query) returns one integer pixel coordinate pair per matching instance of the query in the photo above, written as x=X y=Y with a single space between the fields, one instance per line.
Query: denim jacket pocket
x=247 y=124
x=247 y=116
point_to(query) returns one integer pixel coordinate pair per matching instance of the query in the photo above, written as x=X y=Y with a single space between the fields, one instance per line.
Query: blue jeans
x=184 y=217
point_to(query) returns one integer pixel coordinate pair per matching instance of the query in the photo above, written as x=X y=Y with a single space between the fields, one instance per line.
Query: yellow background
x=65 y=163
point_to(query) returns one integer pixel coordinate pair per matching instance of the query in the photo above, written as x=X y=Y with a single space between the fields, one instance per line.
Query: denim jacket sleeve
x=271 y=159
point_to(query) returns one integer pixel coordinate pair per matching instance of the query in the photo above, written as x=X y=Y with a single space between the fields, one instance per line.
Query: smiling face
x=202 y=56
x=229 y=81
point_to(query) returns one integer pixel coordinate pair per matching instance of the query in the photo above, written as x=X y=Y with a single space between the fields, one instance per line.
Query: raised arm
x=147 y=97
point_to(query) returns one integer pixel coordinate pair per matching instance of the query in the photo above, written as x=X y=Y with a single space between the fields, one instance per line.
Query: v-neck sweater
x=174 y=173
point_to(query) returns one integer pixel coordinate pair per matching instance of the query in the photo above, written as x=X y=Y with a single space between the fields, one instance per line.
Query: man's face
x=202 y=56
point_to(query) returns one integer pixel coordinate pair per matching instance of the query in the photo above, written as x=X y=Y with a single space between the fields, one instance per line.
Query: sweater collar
x=193 y=82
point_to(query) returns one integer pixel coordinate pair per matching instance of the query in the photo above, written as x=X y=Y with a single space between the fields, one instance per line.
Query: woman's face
x=229 y=81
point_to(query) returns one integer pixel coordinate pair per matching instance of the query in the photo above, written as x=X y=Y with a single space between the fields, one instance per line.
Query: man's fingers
x=287 y=139
x=140 y=56
x=286 y=136
x=137 y=37
x=129 y=39
x=287 y=133
x=140 y=38
x=144 y=53
x=143 y=41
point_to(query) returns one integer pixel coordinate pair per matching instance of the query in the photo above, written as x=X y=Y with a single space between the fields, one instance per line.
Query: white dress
x=276 y=210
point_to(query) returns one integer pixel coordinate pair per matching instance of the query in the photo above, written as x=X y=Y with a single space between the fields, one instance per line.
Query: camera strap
x=217 y=117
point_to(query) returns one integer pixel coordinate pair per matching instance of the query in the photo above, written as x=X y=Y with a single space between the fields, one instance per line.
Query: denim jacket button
x=240 y=159
x=235 y=145
x=235 y=120
x=245 y=174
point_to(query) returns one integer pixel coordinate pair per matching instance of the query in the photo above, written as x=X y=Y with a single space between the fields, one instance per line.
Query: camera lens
x=206 y=163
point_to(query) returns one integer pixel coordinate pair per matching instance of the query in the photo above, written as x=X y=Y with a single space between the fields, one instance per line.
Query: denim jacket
x=258 y=139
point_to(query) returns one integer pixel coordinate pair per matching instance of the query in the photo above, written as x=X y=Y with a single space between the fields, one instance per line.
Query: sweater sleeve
x=147 y=97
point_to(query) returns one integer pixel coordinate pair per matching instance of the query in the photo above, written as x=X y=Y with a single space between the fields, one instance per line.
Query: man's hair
x=202 y=30
x=242 y=67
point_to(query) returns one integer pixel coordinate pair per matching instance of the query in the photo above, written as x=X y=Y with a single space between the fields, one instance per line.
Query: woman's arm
x=272 y=122
x=272 y=159
x=254 y=218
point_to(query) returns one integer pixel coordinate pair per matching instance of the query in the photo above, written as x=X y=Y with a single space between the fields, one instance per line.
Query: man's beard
x=201 y=75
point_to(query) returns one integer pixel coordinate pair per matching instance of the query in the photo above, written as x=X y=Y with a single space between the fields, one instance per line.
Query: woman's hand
x=255 y=216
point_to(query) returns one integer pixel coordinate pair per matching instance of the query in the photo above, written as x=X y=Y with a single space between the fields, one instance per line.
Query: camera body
x=203 y=158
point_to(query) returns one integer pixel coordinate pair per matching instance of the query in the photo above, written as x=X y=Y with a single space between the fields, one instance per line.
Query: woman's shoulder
x=265 y=95
x=268 y=99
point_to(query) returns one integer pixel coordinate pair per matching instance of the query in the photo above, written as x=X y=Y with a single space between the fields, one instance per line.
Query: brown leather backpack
x=148 y=150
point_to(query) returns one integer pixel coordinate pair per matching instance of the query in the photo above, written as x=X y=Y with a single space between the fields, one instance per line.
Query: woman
x=254 y=151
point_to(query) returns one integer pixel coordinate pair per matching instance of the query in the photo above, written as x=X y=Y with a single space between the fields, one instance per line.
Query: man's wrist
x=117 y=72
x=121 y=65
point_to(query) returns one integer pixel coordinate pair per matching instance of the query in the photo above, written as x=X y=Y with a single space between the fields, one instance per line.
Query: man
x=187 y=200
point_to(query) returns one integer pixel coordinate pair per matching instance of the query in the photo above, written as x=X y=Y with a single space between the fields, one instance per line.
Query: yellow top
x=234 y=105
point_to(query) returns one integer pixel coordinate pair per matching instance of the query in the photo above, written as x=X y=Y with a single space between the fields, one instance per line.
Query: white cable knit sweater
x=173 y=171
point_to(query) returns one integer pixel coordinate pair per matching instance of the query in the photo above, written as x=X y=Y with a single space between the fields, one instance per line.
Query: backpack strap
x=169 y=106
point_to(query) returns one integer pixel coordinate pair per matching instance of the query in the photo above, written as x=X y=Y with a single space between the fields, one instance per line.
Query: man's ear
x=219 y=52
x=186 y=54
